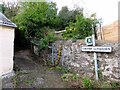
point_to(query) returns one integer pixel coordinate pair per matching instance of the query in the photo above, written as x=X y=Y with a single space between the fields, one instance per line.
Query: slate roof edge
x=14 y=25
x=4 y=21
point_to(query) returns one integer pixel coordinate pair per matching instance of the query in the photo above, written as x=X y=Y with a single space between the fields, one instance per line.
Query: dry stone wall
x=83 y=63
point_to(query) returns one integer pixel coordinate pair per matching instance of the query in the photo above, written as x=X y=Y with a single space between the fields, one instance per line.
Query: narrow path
x=32 y=74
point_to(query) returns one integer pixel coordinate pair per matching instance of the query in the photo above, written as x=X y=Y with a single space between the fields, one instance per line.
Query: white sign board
x=96 y=48
x=88 y=40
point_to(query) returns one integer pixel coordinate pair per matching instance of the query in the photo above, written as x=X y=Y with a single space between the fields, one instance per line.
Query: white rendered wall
x=6 y=49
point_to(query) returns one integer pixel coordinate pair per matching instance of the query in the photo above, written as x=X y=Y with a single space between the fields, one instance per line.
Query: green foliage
x=1 y=8
x=70 y=31
x=66 y=16
x=69 y=77
x=35 y=19
x=65 y=70
x=46 y=40
x=43 y=38
x=62 y=69
x=64 y=77
x=80 y=29
x=87 y=83
x=31 y=15
x=90 y=83
x=10 y=9
x=36 y=15
x=115 y=84
x=74 y=77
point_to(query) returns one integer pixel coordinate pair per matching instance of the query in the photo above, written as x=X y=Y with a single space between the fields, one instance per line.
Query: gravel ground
x=31 y=74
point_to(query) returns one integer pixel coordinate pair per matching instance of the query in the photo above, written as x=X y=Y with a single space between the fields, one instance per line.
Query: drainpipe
x=52 y=48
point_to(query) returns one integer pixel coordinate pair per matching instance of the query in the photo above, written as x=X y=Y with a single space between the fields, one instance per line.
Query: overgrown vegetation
x=9 y=9
x=81 y=28
x=44 y=38
x=62 y=69
x=36 y=21
x=76 y=81
x=66 y=16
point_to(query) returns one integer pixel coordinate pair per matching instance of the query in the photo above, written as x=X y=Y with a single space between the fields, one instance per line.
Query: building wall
x=111 y=32
x=6 y=49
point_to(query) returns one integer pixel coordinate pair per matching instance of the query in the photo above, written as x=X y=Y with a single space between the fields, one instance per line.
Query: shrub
x=47 y=38
x=80 y=29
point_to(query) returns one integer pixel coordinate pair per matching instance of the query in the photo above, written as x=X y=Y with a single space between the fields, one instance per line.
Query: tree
x=66 y=16
x=32 y=16
x=1 y=8
x=33 y=20
x=81 y=28
x=10 y=10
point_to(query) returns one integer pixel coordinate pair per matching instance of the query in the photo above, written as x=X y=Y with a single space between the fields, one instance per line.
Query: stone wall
x=83 y=63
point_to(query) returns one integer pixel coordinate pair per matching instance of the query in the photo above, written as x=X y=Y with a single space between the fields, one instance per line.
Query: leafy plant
x=62 y=69
x=74 y=77
x=66 y=16
x=66 y=77
x=35 y=20
x=80 y=29
x=87 y=83
x=47 y=38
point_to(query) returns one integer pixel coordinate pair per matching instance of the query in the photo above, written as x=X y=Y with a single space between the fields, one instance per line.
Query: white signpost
x=91 y=41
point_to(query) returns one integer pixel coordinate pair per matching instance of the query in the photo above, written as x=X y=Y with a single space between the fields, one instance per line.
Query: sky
x=105 y=9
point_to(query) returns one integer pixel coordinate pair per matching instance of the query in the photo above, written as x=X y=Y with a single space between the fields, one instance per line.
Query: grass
x=60 y=68
x=29 y=82
x=86 y=82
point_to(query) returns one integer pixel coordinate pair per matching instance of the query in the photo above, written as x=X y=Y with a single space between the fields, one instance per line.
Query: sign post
x=91 y=41
x=95 y=55
x=95 y=58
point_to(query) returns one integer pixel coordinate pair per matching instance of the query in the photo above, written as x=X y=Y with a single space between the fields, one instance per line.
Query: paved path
x=32 y=74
